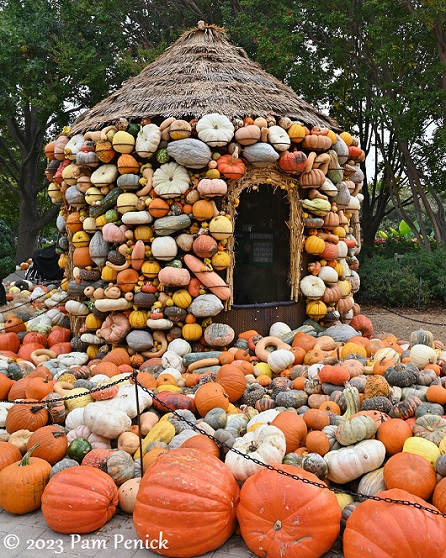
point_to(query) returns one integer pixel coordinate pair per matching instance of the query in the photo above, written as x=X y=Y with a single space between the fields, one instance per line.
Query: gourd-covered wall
x=148 y=210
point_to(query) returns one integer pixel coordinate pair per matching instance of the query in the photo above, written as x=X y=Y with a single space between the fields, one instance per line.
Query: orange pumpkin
x=393 y=433
x=233 y=381
x=293 y=427
x=202 y=443
x=210 y=395
x=410 y=472
x=51 y=443
x=14 y=324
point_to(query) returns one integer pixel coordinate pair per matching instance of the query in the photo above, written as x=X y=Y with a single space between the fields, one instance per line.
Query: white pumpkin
x=421 y=355
x=125 y=400
x=171 y=180
x=312 y=287
x=342 y=249
x=137 y=218
x=179 y=346
x=278 y=329
x=75 y=358
x=76 y=308
x=266 y=444
x=104 y=175
x=73 y=146
x=74 y=418
x=280 y=360
x=164 y=248
x=216 y=130
x=264 y=417
x=174 y=372
x=4 y=408
x=279 y=138
x=351 y=462
x=170 y=359
x=147 y=140
x=328 y=275
x=106 y=419
x=205 y=305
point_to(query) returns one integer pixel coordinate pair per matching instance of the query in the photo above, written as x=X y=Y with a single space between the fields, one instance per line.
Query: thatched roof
x=201 y=73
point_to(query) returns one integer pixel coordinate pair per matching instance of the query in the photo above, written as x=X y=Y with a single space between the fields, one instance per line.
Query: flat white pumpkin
x=147 y=140
x=279 y=138
x=351 y=462
x=106 y=419
x=170 y=180
x=215 y=129
x=312 y=287
x=266 y=444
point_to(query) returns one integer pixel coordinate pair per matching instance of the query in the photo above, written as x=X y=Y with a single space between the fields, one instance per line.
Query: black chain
x=336 y=490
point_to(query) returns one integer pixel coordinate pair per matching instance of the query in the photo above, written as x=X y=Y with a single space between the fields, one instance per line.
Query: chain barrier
x=220 y=444
x=412 y=319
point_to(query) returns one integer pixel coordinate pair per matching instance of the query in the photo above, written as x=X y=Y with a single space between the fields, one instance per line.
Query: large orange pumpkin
x=410 y=472
x=372 y=526
x=281 y=516
x=9 y=453
x=293 y=427
x=181 y=484
x=210 y=395
x=118 y=356
x=393 y=433
x=26 y=415
x=52 y=443
x=23 y=483
x=79 y=500
x=10 y=341
x=233 y=381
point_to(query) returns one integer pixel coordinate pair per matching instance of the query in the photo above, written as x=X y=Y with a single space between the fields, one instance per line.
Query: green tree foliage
x=57 y=57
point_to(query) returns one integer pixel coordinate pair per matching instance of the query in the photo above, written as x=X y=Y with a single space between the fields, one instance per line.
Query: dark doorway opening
x=262 y=247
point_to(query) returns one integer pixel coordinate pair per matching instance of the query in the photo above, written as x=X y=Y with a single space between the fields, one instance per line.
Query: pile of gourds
x=146 y=236
x=339 y=408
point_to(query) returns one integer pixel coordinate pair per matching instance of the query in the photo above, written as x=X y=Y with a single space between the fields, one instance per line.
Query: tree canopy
x=378 y=67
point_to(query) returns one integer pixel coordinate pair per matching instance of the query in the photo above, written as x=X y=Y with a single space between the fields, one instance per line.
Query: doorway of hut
x=262 y=256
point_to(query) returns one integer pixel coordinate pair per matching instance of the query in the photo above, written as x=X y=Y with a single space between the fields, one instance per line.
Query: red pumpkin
x=372 y=526
x=280 y=516
x=181 y=484
x=10 y=341
x=79 y=500
x=393 y=433
x=62 y=348
x=362 y=324
x=5 y=386
x=35 y=337
x=333 y=374
x=293 y=162
x=26 y=350
x=58 y=335
x=167 y=401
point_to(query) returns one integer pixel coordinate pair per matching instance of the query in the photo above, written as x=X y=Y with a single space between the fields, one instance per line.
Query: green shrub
x=386 y=281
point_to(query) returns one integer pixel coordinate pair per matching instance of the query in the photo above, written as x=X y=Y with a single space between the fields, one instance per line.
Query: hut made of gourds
x=205 y=197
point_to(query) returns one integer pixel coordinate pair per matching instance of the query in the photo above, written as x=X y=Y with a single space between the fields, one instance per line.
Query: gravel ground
x=402 y=321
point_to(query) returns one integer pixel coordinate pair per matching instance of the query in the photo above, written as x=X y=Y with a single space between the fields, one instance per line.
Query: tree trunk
x=28 y=230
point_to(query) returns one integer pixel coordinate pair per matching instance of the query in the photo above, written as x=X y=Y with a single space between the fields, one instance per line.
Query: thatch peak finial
x=201 y=24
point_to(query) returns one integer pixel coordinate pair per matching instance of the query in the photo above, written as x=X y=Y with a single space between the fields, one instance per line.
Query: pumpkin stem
x=277 y=525
x=25 y=459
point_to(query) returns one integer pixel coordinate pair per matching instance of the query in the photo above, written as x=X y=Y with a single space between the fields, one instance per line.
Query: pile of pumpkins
x=145 y=229
x=338 y=408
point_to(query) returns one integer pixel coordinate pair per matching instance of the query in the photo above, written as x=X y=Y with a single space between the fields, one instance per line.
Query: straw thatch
x=201 y=73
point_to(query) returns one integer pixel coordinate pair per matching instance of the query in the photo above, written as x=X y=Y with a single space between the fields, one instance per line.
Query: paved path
x=28 y=536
